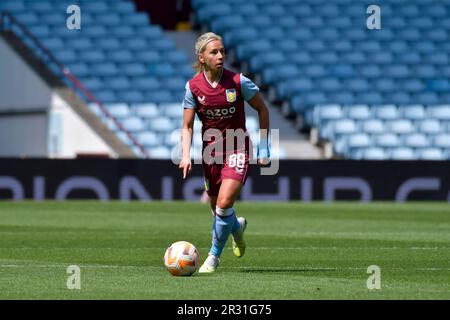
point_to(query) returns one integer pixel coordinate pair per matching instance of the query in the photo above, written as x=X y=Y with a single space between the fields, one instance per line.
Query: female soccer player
x=217 y=96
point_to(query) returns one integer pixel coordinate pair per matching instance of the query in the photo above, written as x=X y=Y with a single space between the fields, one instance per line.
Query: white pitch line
x=259 y=268
x=251 y=248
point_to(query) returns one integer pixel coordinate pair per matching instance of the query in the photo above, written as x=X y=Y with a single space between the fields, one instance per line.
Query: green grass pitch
x=294 y=250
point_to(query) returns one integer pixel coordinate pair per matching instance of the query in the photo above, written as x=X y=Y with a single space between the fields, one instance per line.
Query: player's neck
x=213 y=76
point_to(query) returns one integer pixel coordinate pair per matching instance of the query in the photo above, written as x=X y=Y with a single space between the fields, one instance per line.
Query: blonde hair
x=200 y=46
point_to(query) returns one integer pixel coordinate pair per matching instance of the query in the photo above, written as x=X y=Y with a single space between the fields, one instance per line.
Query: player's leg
x=213 y=203
x=224 y=222
x=228 y=193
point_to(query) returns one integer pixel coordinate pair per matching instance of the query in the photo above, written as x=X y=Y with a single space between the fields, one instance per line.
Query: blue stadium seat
x=131 y=96
x=266 y=59
x=79 y=69
x=429 y=126
x=381 y=58
x=92 y=56
x=387 y=140
x=41 y=31
x=431 y=154
x=118 y=83
x=108 y=44
x=172 y=110
x=148 y=56
x=398 y=97
x=161 y=96
x=412 y=112
x=343 y=127
x=226 y=22
x=161 y=70
x=122 y=7
x=438 y=85
x=288 y=45
x=426 y=98
x=106 y=69
x=148 y=139
x=146 y=110
x=159 y=152
x=301 y=58
x=106 y=96
x=291 y=87
x=402 y=153
x=151 y=33
x=384 y=85
x=341 y=97
x=358 y=140
x=439 y=112
x=136 y=19
x=416 y=140
x=133 y=124
x=260 y=21
x=315 y=71
x=161 y=124
x=145 y=83
x=93 y=84
x=373 y=126
x=385 y=112
x=133 y=69
x=413 y=85
x=357 y=85
x=442 y=140
x=122 y=31
x=301 y=34
x=374 y=153
x=163 y=44
x=369 y=98
x=53 y=44
x=66 y=56
x=118 y=110
x=135 y=44
x=246 y=49
x=324 y=113
x=357 y=112
x=400 y=126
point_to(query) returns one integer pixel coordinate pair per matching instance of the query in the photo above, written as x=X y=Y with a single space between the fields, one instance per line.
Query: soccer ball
x=181 y=258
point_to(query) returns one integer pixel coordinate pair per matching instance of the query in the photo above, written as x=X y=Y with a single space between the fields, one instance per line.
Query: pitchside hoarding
x=332 y=180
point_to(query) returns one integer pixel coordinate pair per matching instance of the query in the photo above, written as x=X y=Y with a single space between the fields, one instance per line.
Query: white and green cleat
x=210 y=264
x=238 y=238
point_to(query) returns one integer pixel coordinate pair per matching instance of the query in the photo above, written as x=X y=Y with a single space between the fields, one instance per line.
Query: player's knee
x=225 y=203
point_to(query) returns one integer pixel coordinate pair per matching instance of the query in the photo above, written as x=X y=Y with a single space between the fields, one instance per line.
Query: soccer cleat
x=238 y=238
x=210 y=264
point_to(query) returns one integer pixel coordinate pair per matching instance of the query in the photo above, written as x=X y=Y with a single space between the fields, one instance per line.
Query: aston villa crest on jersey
x=231 y=95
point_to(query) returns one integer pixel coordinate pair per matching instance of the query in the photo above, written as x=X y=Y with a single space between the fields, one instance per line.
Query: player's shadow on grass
x=286 y=270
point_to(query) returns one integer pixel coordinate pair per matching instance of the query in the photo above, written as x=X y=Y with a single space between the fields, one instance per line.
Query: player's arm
x=186 y=141
x=189 y=105
x=257 y=103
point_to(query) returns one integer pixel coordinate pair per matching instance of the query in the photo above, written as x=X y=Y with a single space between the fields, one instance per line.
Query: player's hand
x=186 y=167
x=264 y=161
x=263 y=156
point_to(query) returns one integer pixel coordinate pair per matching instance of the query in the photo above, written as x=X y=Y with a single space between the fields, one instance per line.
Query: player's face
x=213 y=56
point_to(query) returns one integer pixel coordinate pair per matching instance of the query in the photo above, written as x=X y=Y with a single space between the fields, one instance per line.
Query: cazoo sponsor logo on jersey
x=219 y=113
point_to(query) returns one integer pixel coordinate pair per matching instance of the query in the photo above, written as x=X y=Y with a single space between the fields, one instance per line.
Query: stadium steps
x=77 y=105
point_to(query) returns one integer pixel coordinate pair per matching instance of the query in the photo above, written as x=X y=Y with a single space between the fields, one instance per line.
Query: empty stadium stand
x=373 y=94
x=124 y=62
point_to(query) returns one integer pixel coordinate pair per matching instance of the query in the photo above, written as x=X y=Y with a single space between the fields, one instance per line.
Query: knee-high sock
x=224 y=223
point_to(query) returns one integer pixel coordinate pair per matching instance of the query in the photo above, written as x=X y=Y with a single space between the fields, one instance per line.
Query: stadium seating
x=374 y=94
x=122 y=58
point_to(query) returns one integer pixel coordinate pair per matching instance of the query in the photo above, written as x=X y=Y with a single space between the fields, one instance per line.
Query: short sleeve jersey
x=221 y=107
